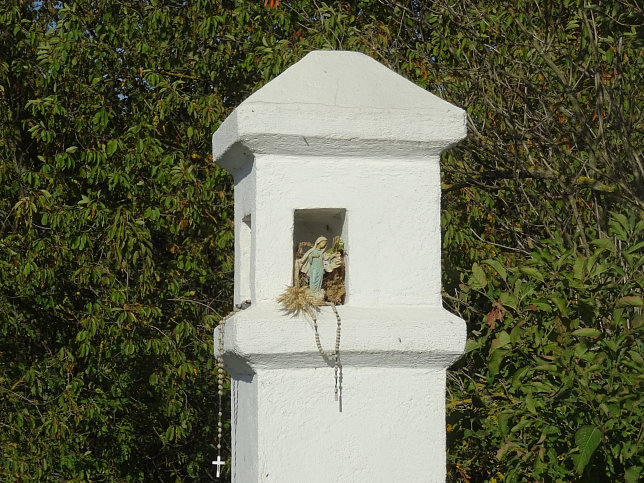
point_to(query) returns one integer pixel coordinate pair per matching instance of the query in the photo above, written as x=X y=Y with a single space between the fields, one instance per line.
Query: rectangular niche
x=331 y=223
x=245 y=240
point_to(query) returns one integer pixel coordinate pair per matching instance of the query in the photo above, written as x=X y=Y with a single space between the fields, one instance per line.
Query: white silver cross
x=219 y=462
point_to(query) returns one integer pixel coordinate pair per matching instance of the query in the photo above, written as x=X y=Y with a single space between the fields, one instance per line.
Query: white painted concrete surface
x=340 y=144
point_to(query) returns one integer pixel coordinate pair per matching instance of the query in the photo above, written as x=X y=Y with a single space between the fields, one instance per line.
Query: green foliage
x=552 y=381
x=542 y=239
x=115 y=246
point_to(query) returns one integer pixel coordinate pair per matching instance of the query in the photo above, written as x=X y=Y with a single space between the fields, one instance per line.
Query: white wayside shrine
x=339 y=146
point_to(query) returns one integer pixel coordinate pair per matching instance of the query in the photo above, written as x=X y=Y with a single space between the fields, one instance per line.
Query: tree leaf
x=630 y=301
x=586 y=332
x=112 y=144
x=502 y=339
x=587 y=439
x=496 y=265
x=495 y=362
x=472 y=344
x=632 y=474
x=479 y=276
x=604 y=244
x=532 y=272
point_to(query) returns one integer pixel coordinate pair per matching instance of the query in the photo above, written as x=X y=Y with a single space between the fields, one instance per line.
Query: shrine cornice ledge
x=423 y=337
x=319 y=130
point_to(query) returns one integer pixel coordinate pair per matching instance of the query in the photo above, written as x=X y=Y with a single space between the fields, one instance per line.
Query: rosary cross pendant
x=219 y=462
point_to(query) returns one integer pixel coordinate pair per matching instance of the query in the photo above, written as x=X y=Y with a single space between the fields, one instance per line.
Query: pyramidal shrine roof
x=339 y=102
x=346 y=79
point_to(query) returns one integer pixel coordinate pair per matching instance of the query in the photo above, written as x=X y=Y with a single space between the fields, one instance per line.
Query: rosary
x=221 y=373
x=220 y=381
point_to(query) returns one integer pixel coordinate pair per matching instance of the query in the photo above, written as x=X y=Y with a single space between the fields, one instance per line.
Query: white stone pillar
x=340 y=145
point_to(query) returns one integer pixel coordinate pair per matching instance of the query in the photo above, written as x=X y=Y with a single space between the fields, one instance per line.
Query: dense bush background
x=116 y=230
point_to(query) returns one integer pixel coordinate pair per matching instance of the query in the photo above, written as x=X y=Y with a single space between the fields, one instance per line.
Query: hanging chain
x=336 y=354
x=220 y=380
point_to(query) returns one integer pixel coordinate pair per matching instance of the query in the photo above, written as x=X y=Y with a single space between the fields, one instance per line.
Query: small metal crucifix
x=219 y=462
